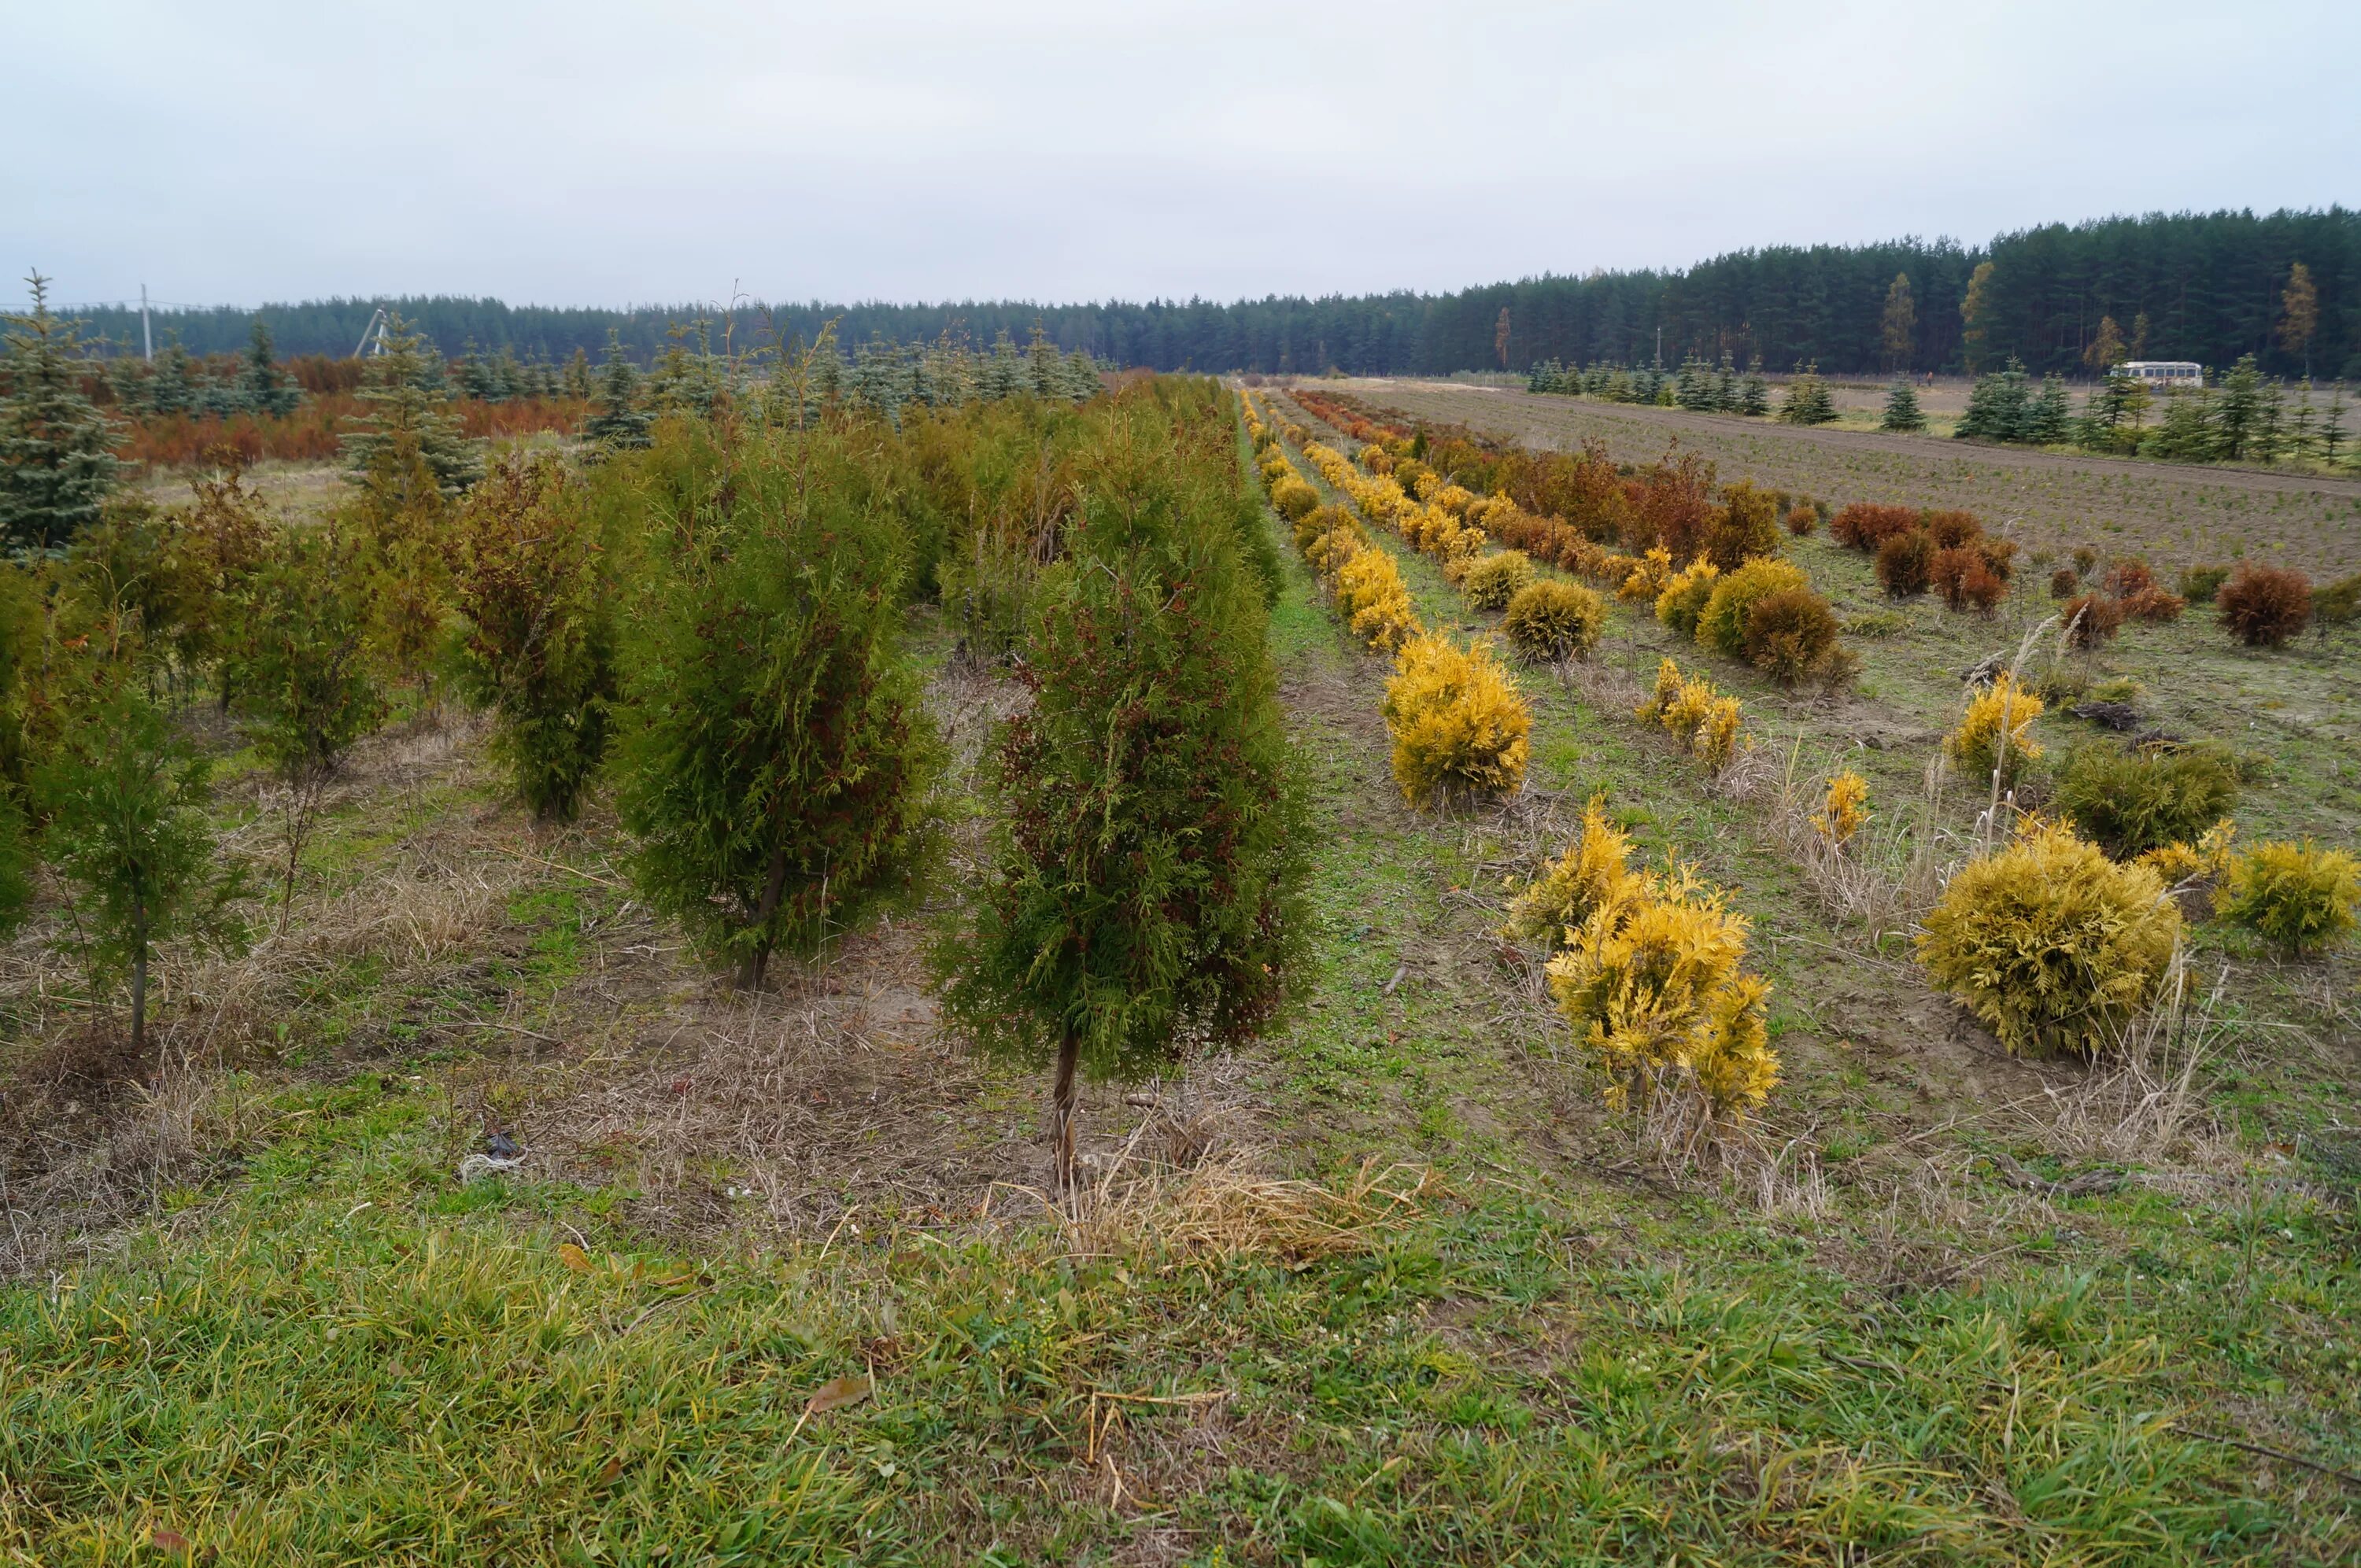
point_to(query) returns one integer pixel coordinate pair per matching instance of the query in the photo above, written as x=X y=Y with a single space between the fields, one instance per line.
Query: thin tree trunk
x=774 y=889
x=1062 y=1112
x=139 y=978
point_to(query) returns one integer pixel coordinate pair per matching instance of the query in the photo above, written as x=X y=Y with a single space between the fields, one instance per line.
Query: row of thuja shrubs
x=1460 y=726
x=1945 y=552
x=2261 y=606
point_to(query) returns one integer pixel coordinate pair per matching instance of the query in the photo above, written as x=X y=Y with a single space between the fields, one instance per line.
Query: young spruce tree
x=55 y=466
x=403 y=390
x=617 y=420
x=1146 y=881
x=774 y=757
x=1901 y=408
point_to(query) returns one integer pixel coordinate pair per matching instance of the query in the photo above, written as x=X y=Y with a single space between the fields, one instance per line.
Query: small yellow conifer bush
x=2205 y=860
x=1654 y=990
x=1552 y=621
x=1705 y=720
x=2054 y=946
x=1491 y=581
x=1844 y=811
x=1454 y=499
x=1594 y=874
x=1648 y=575
x=2000 y=710
x=1459 y=725
x=1330 y=552
x=2297 y=896
x=1319 y=521
x=1292 y=497
x=1684 y=596
x=1374 y=601
x=1721 y=626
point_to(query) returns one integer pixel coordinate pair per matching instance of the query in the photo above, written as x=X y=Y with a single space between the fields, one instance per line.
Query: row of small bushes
x=1764 y=612
x=1460 y=726
x=1705 y=720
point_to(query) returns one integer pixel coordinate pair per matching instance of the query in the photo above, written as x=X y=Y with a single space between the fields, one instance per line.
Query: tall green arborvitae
x=617 y=420
x=260 y=383
x=773 y=759
x=537 y=629
x=406 y=419
x=1901 y=408
x=1148 y=863
x=129 y=836
x=56 y=467
x=577 y=371
x=2239 y=412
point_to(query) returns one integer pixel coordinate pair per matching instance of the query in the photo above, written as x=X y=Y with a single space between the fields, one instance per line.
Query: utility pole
x=1660 y=346
x=146 y=337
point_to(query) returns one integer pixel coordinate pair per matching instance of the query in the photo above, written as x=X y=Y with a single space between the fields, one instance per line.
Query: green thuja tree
x=576 y=378
x=56 y=467
x=1147 y=872
x=1902 y=411
x=773 y=759
x=129 y=838
x=617 y=420
x=537 y=629
x=301 y=671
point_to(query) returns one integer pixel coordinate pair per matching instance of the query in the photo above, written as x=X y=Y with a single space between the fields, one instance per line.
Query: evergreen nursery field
x=983 y=961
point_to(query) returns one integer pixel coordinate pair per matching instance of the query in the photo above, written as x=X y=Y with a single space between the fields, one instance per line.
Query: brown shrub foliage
x=1904 y=562
x=1867 y=525
x=2093 y=618
x=2065 y=583
x=2264 y=606
x=1953 y=529
x=1965 y=579
x=1801 y=520
x=1789 y=634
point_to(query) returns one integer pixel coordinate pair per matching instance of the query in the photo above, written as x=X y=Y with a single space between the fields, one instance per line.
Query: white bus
x=2165 y=373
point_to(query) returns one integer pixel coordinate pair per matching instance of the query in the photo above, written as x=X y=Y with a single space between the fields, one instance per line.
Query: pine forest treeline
x=2207 y=287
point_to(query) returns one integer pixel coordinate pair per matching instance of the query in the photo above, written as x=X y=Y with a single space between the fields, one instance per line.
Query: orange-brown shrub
x=1801 y=520
x=1952 y=529
x=2264 y=606
x=2154 y=603
x=2064 y=582
x=2000 y=555
x=2092 y=619
x=1965 y=579
x=1866 y=526
x=1904 y=561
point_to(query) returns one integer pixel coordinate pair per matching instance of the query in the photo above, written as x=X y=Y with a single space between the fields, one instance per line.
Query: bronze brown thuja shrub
x=1746 y=525
x=1802 y=520
x=1866 y=525
x=2090 y=620
x=2065 y=583
x=1953 y=529
x=2264 y=606
x=1964 y=577
x=1790 y=634
x=1904 y=562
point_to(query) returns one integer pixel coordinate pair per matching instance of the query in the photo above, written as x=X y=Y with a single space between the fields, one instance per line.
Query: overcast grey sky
x=590 y=153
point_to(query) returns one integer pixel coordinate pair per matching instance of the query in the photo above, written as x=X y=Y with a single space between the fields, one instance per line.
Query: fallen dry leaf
x=574 y=1257
x=839 y=1392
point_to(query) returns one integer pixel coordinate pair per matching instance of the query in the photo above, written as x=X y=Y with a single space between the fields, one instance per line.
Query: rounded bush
x=1965 y=579
x=1952 y=529
x=2264 y=606
x=2001 y=710
x=1866 y=525
x=2296 y=896
x=2200 y=584
x=2054 y=946
x=1491 y=581
x=1550 y=622
x=1684 y=598
x=1721 y=625
x=2090 y=620
x=1802 y=520
x=2131 y=801
x=1458 y=723
x=2065 y=583
x=1291 y=498
x=1906 y=562
x=1790 y=634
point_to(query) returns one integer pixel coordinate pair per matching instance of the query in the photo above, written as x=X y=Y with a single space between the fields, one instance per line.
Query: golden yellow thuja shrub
x=1648 y=577
x=2054 y=946
x=2001 y=709
x=1594 y=874
x=1454 y=499
x=1705 y=720
x=1459 y=725
x=2204 y=860
x=1374 y=601
x=1375 y=458
x=1653 y=988
x=1685 y=595
x=1844 y=810
x=1425 y=486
